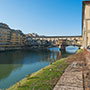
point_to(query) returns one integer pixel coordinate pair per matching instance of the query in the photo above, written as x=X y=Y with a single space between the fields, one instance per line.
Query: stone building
x=5 y=34
x=86 y=23
x=10 y=37
x=28 y=40
x=17 y=38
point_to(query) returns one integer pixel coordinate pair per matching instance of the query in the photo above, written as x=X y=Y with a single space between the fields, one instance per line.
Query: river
x=15 y=65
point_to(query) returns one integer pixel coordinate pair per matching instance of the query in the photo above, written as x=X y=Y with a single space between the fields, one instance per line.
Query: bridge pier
x=62 y=48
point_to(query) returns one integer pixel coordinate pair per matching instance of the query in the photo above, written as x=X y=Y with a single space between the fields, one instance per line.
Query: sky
x=44 y=17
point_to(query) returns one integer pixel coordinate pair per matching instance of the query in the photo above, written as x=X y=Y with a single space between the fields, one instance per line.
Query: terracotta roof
x=3 y=25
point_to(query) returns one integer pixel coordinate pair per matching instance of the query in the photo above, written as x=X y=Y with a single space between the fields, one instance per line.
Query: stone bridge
x=62 y=41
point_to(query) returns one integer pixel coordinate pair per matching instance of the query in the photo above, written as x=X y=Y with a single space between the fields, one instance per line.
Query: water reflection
x=11 y=57
x=56 y=54
x=6 y=69
x=71 y=49
x=28 y=57
x=15 y=65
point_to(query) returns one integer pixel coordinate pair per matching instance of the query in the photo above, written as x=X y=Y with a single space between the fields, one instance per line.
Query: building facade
x=5 y=35
x=17 y=38
x=86 y=24
x=10 y=37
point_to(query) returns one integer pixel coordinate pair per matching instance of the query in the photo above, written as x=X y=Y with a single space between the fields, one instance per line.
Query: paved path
x=72 y=78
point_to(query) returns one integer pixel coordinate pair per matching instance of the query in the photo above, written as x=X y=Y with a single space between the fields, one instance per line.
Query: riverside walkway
x=72 y=79
x=77 y=75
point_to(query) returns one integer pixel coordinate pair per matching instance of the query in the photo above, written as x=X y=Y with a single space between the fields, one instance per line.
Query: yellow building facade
x=10 y=37
x=17 y=38
x=5 y=34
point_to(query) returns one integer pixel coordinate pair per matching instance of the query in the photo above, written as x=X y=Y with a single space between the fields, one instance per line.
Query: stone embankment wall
x=10 y=48
x=86 y=70
x=87 y=57
x=21 y=48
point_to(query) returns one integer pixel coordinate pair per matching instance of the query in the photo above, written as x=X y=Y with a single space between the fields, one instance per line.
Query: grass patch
x=47 y=77
x=64 y=55
x=44 y=79
x=79 y=50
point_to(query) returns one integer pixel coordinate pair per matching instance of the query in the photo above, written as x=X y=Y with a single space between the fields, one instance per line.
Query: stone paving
x=72 y=78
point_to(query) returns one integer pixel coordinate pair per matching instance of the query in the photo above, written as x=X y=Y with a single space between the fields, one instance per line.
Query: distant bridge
x=58 y=38
x=78 y=39
x=62 y=41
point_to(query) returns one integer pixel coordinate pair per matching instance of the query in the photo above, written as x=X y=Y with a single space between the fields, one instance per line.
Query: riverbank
x=72 y=78
x=47 y=77
x=13 y=48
